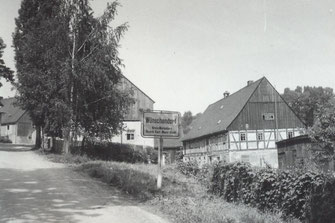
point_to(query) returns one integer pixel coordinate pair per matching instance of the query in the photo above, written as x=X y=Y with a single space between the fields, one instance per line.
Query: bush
x=108 y=151
x=321 y=206
x=294 y=193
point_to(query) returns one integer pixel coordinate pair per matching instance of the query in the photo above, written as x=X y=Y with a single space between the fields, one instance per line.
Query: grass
x=182 y=198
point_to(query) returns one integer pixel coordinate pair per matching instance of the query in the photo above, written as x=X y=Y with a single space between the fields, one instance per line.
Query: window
x=289 y=134
x=7 y=127
x=130 y=136
x=260 y=136
x=268 y=116
x=243 y=137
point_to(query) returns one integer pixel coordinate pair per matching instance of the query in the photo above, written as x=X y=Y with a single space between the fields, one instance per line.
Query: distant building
x=18 y=127
x=131 y=133
x=171 y=148
x=298 y=152
x=16 y=124
x=243 y=126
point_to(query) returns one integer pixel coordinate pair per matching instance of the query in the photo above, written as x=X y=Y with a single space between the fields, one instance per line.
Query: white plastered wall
x=133 y=127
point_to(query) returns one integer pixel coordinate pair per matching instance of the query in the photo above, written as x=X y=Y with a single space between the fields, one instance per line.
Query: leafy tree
x=323 y=132
x=69 y=68
x=5 y=72
x=40 y=52
x=96 y=102
x=305 y=101
x=187 y=119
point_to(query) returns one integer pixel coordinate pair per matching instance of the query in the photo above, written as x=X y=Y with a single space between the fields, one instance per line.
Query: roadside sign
x=160 y=124
x=163 y=124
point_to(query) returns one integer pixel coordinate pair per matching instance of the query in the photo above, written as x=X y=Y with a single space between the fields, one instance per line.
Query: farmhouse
x=131 y=133
x=16 y=124
x=243 y=126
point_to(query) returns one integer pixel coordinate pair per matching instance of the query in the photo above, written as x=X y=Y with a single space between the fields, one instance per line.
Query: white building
x=131 y=133
x=16 y=124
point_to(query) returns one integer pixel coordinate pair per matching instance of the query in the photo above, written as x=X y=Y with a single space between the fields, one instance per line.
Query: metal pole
x=159 y=176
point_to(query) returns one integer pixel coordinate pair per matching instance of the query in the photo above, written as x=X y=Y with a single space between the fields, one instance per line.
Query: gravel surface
x=36 y=190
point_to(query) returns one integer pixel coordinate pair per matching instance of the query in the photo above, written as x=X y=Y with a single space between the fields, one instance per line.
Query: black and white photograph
x=167 y=111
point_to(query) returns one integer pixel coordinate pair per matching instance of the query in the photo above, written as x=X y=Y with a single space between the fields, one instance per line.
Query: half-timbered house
x=243 y=126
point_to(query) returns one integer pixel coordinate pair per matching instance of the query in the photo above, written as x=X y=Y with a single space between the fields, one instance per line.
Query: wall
x=266 y=100
x=133 y=127
x=9 y=131
x=142 y=101
x=20 y=133
x=206 y=150
x=298 y=153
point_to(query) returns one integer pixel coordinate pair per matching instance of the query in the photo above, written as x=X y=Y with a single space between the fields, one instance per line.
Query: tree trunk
x=67 y=140
x=38 y=139
x=83 y=144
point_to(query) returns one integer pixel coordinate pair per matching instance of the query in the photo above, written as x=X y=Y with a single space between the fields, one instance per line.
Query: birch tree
x=69 y=69
x=96 y=102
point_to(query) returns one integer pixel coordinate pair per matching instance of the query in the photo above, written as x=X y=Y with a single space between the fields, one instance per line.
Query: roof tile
x=226 y=110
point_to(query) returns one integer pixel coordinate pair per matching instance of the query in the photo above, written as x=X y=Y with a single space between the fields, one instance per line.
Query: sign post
x=160 y=124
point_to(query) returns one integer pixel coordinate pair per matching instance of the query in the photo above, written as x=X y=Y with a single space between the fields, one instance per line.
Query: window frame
x=260 y=136
x=243 y=136
x=130 y=136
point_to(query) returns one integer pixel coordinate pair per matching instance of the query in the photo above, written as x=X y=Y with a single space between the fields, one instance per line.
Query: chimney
x=249 y=82
x=226 y=94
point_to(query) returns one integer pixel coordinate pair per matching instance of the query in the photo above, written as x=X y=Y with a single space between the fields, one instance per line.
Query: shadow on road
x=52 y=195
x=14 y=148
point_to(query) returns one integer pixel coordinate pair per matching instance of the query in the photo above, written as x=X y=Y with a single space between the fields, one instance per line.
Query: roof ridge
x=219 y=115
x=243 y=88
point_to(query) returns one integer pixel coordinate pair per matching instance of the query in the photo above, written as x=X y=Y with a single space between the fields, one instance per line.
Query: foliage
x=191 y=168
x=68 y=67
x=5 y=72
x=322 y=203
x=306 y=101
x=40 y=41
x=116 y=152
x=323 y=132
x=187 y=119
x=93 y=73
x=268 y=189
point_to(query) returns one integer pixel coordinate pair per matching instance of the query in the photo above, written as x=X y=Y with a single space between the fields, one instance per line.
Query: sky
x=185 y=53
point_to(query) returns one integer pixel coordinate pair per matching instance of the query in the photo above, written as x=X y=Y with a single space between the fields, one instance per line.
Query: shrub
x=294 y=193
x=321 y=205
x=116 y=152
x=191 y=168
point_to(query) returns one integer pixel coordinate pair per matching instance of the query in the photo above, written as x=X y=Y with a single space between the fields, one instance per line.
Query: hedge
x=305 y=195
x=116 y=152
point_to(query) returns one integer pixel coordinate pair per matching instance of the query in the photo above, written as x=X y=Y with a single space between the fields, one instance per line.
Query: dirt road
x=33 y=189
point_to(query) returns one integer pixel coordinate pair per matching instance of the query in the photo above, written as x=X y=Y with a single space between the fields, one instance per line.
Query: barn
x=243 y=126
x=16 y=124
x=132 y=123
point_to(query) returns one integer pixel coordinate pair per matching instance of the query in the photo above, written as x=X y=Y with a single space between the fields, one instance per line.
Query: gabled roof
x=219 y=115
x=10 y=114
x=137 y=87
